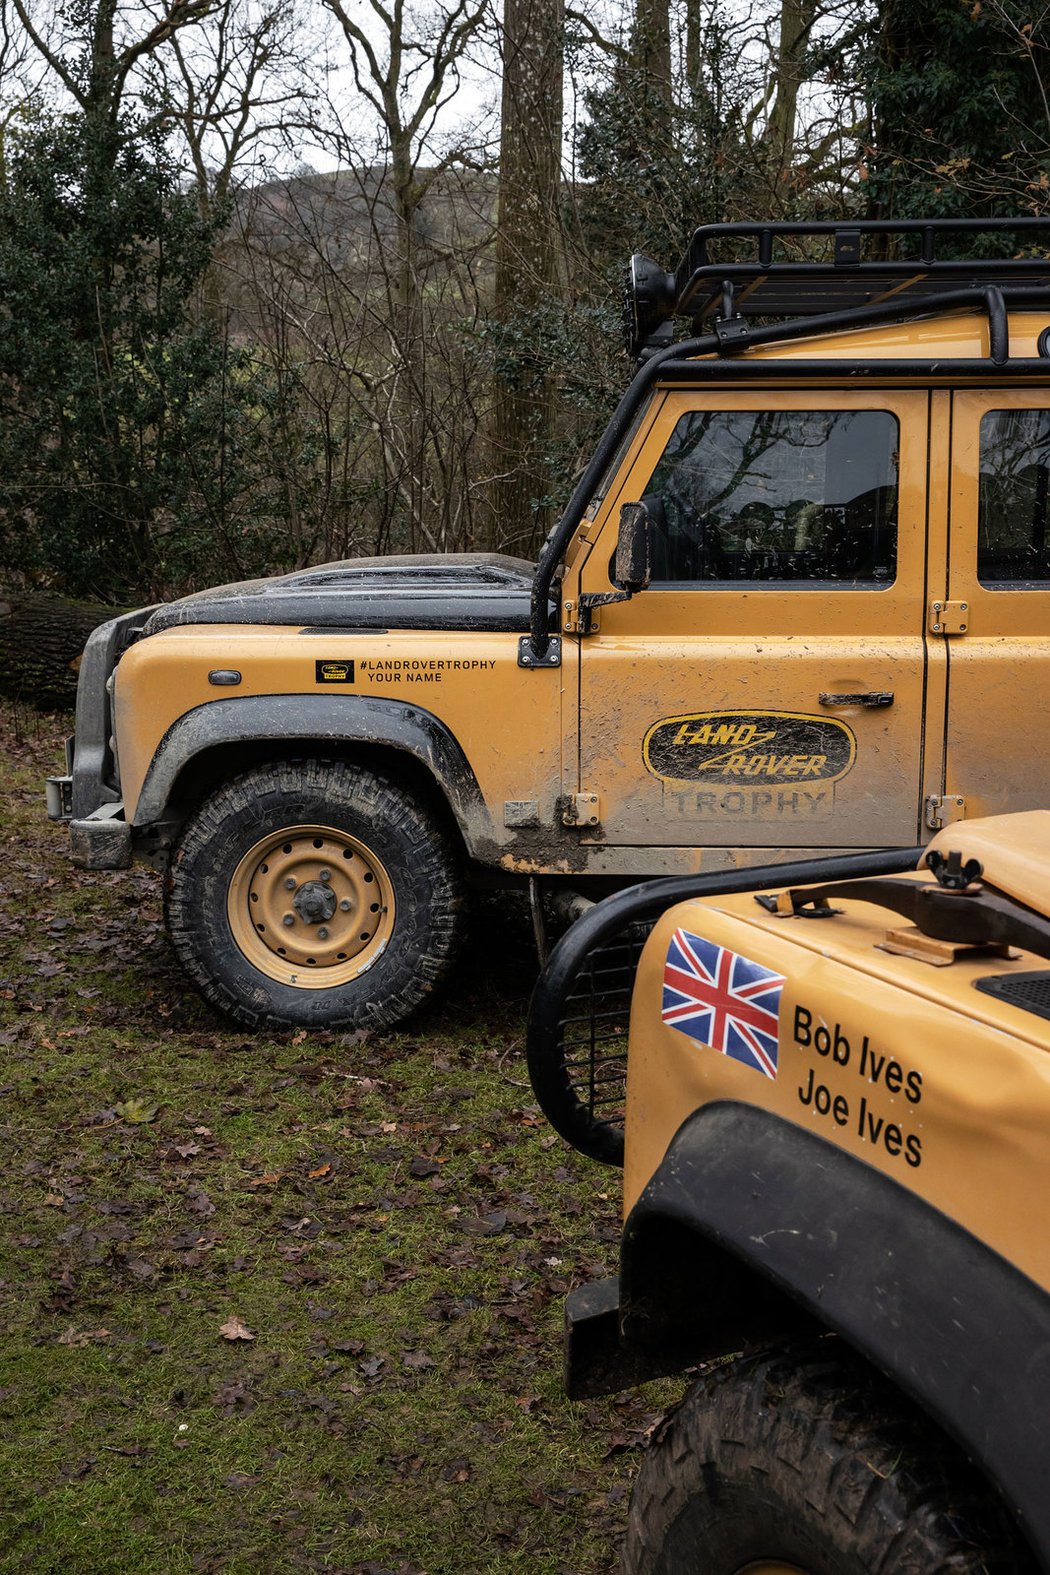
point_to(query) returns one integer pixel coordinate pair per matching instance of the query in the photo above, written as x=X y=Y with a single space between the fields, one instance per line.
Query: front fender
x=327 y=722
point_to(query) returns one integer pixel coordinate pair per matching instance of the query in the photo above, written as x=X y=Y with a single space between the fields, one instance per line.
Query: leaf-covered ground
x=279 y=1303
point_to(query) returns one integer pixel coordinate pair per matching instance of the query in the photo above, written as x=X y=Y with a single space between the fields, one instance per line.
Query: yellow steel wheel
x=311 y=907
x=280 y=897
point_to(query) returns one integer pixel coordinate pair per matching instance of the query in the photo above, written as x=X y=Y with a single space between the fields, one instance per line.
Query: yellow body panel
x=956 y=336
x=507 y=724
x=713 y=651
x=904 y=1065
x=635 y=711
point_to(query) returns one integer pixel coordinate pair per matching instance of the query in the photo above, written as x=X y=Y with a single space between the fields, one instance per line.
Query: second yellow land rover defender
x=799 y=602
x=833 y=1131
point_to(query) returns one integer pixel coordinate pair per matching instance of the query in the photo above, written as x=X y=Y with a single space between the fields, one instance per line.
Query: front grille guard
x=576 y=1041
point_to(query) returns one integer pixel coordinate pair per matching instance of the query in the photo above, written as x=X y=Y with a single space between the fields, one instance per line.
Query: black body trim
x=751 y=1221
x=94 y=769
x=326 y=719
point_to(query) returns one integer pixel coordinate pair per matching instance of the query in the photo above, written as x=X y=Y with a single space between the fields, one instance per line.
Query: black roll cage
x=921 y=287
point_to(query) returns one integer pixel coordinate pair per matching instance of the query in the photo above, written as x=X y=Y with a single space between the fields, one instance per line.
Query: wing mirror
x=634 y=548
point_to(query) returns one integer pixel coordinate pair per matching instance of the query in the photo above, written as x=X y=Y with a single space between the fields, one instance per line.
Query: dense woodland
x=283 y=281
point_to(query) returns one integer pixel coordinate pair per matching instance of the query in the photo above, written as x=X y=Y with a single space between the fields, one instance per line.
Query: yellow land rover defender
x=798 y=602
x=831 y=1105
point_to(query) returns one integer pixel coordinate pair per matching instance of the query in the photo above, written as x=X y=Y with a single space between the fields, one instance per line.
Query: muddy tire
x=807 y=1461
x=317 y=894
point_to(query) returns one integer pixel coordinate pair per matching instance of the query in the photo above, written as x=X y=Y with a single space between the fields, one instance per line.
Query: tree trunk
x=527 y=258
x=41 y=641
x=651 y=59
x=796 y=23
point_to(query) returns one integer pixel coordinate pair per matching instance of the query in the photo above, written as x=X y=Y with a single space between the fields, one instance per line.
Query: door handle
x=874 y=697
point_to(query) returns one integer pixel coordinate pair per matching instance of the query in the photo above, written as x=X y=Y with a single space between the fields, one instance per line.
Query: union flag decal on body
x=723 y=1000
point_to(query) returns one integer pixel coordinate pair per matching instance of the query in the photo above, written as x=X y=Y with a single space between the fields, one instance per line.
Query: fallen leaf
x=54 y=1200
x=200 y=1202
x=484 y=1224
x=271 y=1179
x=141 y=1268
x=138 y=1111
x=79 y=1337
x=235 y=1329
x=322 y=1170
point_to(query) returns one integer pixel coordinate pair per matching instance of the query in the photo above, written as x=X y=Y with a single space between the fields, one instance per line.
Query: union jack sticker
x=721 y=999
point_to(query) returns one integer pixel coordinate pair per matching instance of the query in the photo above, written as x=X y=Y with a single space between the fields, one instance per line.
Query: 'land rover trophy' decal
x=758 y=746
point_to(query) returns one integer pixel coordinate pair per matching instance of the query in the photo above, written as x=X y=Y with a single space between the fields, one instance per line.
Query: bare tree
x=528 y=249
x=406 y=70
x=92 y=53
x=238 y=87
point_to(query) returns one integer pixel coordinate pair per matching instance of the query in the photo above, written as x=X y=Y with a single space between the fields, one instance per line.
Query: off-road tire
x=371 y=813
x=807 y=1460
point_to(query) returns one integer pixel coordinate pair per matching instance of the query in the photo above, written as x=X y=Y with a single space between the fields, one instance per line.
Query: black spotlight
x=649 y=298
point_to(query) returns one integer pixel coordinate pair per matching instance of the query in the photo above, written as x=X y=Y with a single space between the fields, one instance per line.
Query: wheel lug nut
x=345 y=905
x=322 y=934
x=289 y=884
x=325 y=874
x=289 y=919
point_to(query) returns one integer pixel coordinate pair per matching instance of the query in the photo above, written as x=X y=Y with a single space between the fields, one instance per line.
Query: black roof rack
x=771 y=279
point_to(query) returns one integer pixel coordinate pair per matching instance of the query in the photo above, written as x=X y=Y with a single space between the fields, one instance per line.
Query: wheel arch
x=753 y=1228
x=215 y=741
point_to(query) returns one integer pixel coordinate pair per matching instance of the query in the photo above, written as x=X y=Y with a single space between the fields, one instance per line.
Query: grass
x=390 y=1218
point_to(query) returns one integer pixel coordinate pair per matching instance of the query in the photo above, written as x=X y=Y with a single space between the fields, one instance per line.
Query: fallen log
x=41 y=641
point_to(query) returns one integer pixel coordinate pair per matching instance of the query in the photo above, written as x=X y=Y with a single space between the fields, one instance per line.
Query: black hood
x=472 y=591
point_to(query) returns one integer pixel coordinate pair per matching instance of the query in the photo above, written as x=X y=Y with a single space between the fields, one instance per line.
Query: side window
x=808 y=496
x=1012 y=502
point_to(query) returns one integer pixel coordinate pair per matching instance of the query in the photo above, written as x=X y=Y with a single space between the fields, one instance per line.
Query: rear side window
x=1012 y=501
x=807 y=496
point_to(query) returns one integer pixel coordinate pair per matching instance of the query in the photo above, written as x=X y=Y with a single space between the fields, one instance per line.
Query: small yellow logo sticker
x=334 y=672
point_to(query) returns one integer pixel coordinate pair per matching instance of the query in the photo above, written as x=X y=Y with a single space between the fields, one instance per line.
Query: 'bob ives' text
x=878 y=1070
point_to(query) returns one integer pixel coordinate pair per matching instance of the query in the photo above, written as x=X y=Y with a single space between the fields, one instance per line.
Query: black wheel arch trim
x=765 y=1226
x=328 y=721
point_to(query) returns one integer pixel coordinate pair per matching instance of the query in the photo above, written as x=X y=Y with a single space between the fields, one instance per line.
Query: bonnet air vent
x=1029 y=991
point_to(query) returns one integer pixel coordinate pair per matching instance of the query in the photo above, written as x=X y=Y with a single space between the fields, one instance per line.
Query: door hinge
x=944 y=810
x=582 y=617
x=949 y=617
x=581 y=809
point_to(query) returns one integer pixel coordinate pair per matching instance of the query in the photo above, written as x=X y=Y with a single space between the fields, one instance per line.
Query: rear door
x=767 y=690
x=998 y=587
